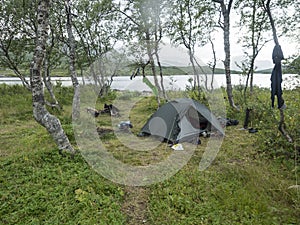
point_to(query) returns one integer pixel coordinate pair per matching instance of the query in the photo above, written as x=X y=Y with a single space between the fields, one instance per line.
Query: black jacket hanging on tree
x=276 y=77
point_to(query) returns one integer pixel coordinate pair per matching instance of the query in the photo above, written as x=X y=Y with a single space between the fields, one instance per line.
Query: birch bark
x=40 y=113
x=226 y=29
x=72 y=60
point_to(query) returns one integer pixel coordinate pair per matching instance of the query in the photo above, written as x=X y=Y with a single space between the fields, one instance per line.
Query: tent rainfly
x=181 y=120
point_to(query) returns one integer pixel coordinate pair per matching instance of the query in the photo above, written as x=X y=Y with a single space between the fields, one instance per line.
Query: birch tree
x=40 y=113
x=253 y=23
x=225 y=26
x=72 y=61
x=17 y=36
x=97 y=33
x=159 y=28
x=191 y=23
x=143 y=31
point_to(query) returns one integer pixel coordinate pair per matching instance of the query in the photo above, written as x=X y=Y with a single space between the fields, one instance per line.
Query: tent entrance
x=196 y=119
x=191 y=125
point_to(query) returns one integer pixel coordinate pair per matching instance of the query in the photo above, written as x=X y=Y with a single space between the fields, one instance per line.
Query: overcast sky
x=264 y=59
x=177 y=56
x=171 y=55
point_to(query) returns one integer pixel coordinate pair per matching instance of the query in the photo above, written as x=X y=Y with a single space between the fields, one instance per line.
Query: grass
x=236 y=189
x=41 y=188
x=248 y=182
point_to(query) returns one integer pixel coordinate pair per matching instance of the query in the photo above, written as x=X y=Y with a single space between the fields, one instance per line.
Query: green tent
x=181 y=120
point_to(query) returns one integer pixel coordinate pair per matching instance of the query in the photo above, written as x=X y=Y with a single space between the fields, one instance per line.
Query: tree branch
x=229 y=6
x=127 y=16
x=267 y=8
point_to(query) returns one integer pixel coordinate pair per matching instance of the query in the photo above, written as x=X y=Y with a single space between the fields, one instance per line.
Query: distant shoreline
x=167 y=71
x=166 y=75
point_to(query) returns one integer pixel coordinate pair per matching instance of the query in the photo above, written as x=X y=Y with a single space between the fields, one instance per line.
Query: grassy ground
x=251 y=181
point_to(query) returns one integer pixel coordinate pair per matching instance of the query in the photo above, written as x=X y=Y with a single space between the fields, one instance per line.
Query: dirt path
x=135 y=205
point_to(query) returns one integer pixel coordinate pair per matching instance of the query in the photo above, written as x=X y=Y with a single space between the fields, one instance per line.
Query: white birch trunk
x=40 y=113
x=226 y=31
x=72 y=59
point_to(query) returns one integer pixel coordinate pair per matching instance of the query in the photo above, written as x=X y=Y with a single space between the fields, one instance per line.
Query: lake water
x=175 y=82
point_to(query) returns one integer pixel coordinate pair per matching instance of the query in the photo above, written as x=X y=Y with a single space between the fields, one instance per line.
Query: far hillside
x=291 y=66
x=128 y=71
